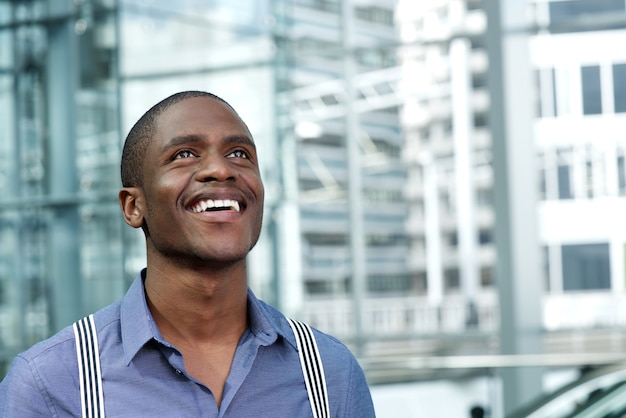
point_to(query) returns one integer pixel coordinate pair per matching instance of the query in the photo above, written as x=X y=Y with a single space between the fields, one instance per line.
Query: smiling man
x=189 y=339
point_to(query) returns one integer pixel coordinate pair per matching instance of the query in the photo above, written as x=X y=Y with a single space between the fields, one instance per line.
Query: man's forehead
x=179 y=118
x=205 y=102
x=200 y=105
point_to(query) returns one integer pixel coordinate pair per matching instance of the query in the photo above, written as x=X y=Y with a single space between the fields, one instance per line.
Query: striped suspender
x=91 y=394
x=312 y=368
x=88 y=356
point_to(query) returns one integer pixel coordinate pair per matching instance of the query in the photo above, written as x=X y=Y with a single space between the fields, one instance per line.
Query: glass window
x=565 y=188
x=485 y=236
x=553 y=107
x=486 y=276
x=592 y=96
x=589 y=178
x=619 y=87
x=586 y=267
x=538 y=98
x=543 y=195
x=621 y=175
x=375 y=15
x=452 y=279
x=388 y=283
x=570 y=10
x=545 y=263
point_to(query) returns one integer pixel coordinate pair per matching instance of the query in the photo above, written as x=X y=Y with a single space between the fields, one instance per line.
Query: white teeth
x=209 y=204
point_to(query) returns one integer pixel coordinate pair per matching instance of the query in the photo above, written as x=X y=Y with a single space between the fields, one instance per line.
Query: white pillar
x=462 y=128
x=432 y=234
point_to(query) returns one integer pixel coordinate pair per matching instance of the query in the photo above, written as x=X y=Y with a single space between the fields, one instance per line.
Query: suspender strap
x=312 y=369
x=91 y=394
x=88 y=356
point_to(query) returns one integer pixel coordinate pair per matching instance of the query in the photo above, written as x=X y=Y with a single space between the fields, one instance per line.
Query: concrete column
x=64 y=234
x=462 y=128
x=432 y=225
x=518 y=267
x=355 y=196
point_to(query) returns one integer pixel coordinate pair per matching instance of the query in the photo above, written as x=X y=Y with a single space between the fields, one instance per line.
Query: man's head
x=143 y=131
x=192 y=182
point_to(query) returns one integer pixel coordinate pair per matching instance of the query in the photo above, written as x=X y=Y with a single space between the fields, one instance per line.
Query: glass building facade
x=75 y=75
x=63 y=247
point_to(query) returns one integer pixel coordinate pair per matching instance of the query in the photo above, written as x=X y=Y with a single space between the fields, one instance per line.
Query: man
x=189 y=339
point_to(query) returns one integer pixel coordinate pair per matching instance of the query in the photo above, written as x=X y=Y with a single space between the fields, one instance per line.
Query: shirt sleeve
x=20 y=395
x=359 y=401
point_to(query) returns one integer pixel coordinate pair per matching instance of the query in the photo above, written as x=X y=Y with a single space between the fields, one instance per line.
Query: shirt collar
x=263 y=324
x=138 y=326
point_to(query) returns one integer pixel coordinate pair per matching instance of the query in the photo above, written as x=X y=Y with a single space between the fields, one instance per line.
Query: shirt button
x=179 y=371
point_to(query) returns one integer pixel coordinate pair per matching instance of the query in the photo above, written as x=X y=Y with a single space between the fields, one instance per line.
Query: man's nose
x=214 y=168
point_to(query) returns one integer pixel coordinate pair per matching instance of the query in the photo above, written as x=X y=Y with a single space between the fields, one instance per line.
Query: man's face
x=202 y=186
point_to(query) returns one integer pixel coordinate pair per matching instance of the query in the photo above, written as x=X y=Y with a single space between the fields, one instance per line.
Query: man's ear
x=132 y=204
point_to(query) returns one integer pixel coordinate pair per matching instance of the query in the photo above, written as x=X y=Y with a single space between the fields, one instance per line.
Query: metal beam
x=518 y=273
x=374 y=90
x=64 y=238
x=355 y=195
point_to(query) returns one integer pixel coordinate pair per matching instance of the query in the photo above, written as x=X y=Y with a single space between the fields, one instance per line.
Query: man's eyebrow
x=240 y=139
x=181 y=140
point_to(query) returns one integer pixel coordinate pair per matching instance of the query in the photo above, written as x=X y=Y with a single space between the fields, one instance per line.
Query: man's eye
x=183 y=154
x=238 y=154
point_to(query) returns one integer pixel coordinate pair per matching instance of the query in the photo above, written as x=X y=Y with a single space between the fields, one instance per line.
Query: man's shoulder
x=61 y=344
x=55 y=343
x=331 y=348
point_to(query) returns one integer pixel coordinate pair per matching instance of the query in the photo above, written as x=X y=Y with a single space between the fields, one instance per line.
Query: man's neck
x=198 y=308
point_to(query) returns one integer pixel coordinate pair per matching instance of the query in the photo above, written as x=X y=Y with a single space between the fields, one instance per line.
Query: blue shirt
x=144 y=376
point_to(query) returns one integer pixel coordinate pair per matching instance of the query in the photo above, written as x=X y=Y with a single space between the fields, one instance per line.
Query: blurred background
x=445 y=179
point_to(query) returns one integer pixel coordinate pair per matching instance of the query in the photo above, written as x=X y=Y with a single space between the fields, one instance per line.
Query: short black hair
x=142 y=132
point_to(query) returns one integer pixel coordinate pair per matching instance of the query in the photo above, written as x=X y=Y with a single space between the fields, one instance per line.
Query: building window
x=424 y=135
x=486 y=276
x=586 y=267
x=545 y=263
x=621 y=175
x=485 y=236
x=589 y=178
x=452 y=239
x=388 y=283
x=383 y=195
x=480 y=120
x=375 y=15
x=419 y=282
x=484 y=198
x=451 y=279
x=327 y=239
x=325 y=287
x=565 y=185
x=619 y=87
x=592 y=96
x=543 y=193
x=571 y=10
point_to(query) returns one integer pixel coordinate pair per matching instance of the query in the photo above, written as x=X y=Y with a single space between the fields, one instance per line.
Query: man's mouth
x=214 y=205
